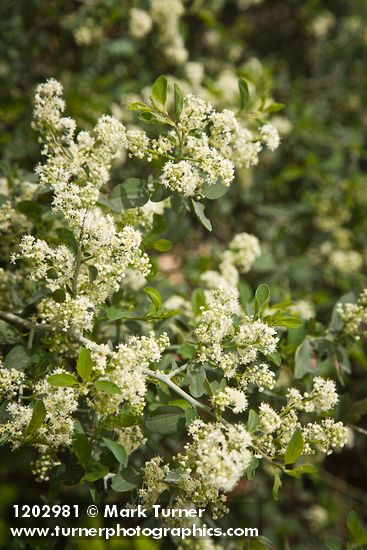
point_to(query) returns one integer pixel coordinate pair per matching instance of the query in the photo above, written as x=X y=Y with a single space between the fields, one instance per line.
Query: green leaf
x=186 y=350
x=123 y=420
x=132 y=193
x=304 y=359
x=251 y=468
x=196 y=375
x=31 y=209
x=126 y=480
x=82 y=448
x=93 y=273
x=275 y=357
x=273 y=107
x=67 y=237
x=197 y=300
x=139 y=106
x=165 y=420
x=59 y=295
x=162 y=245
x=253 y=420
x=190 y=415
x=262 y=296
x=116 y=449
x=95 y=471
x=289 y=322
x=294 y=448
x=357 y=409
x=159 y=89
x=199 y=211
x=244 y=93
x=355 y=531
x=276 y=486
x=17 y=358
x=114 y=313
x=152 y=117
x=213 y=192
x=179 y=101
x=300 y=470
x=245 y=293
x=38 y=417
x=62 y=380
x=107 y=387
x=153 y=295
x=84 y=364
x=174 y=476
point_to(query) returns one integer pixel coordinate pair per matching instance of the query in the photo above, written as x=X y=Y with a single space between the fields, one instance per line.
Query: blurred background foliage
x=306 y=202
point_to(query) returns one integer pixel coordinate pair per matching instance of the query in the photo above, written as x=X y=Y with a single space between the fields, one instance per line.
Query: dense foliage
x=182 y=280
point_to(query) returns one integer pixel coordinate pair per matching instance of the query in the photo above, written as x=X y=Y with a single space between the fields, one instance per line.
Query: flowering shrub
x=142 y=360
x=104 y=372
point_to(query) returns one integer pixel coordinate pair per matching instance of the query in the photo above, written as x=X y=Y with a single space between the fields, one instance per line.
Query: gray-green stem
x=27 y=325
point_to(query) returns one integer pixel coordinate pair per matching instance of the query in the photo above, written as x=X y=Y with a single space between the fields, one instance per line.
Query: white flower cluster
x=58 y=427
x=259 y=375
x=166 y=15
x=324 y=436
x=354 y=316
x=270 y=421
x=181 y=177
x=47 y=261
x=322 y=398
x=218 y=454
x=140 y=23
x=339 y=259
x=239 y=257
x=345 y=261
x=73 y=314
x=217 y=329
x=242 y=252
x=131 y=438
x=276 y=428
x=232 y=398
x=219 y=144
x=42 y=466
x=126 y=370
x=92 y=267
x=255 y=335
x=138 y=144
x=211 y=465
x=303 y=308
x=10 y=382
x=10 y=217
x=270 y=136
x=205 y=148
x=15 y=427
x=225 y=279
x=154 y=484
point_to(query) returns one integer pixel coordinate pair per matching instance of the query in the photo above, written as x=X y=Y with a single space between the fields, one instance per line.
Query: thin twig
x=161 y=377
x=342 y=486
x=358 y=429
x=174 y=373
x=23 y=323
